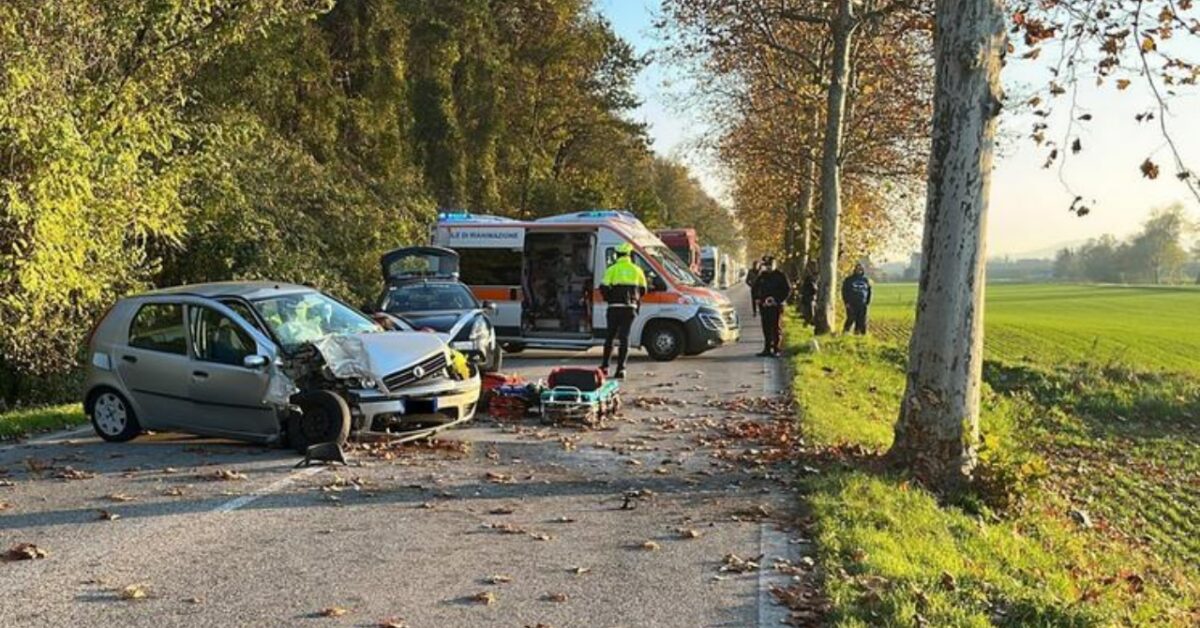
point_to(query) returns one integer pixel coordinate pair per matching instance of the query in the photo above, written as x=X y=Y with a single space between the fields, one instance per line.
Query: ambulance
x=540 y=280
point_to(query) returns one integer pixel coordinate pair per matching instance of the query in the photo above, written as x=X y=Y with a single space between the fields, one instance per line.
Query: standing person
x=772 y=289
x=751 y=277
x=856 y=294
x=808 y=293
x=623 y=287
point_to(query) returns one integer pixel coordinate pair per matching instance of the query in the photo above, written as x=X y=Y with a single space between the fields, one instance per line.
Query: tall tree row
x=821 y=110
x=150 y=143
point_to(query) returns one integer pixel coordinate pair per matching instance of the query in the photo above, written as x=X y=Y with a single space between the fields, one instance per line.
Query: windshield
x=304 y=317
x=674 y=267
x=425 y=297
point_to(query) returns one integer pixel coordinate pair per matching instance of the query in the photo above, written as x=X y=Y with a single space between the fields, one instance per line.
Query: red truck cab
x=683 y=243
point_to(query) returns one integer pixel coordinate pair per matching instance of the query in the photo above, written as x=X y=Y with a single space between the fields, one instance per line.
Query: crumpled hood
x=376 y=355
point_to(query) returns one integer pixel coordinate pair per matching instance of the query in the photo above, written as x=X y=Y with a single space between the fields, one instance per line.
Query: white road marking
x=50 y=439
x=772 y=544
x=275 y=486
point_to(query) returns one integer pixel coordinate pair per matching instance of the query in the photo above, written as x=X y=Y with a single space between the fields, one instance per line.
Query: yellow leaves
x=1148 y=44
x=134 y=592
x=1122 y=84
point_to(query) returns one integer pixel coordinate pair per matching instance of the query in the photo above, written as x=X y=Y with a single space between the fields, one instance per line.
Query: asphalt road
x=529 y=514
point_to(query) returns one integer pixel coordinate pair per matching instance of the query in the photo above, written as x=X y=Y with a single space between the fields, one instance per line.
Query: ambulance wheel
x=513 y=347
x=663 y=340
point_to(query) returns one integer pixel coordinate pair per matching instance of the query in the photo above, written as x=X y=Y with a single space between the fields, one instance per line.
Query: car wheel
x=324 y=417
x=514 y=347
x=112 y=417
x=663 y=341
x=495 y=360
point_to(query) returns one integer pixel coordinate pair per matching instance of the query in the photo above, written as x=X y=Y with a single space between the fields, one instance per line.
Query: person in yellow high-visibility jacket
x=623 y=287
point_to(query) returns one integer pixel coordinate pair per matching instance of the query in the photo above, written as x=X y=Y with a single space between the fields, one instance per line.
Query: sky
x=1029 y=204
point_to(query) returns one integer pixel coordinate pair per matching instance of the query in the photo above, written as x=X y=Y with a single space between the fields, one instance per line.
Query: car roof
x=249 y=290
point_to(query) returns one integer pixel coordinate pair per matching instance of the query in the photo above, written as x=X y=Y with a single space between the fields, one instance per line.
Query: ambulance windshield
x=673 y=266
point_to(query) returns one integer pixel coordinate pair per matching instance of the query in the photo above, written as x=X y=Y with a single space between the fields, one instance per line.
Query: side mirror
x=489 y=307
x=657 y=284
x=255 y=361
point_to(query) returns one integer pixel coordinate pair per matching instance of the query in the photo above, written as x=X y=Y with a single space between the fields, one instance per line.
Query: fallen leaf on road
x=579 y=571
x=689 y=533
x=425 y=505
x=174 y=491
x=556 y=597
x=169 y=470
x=105 y=515
x=332 y=611
x=484 y=597
x=564 y=519
x=119 y=497
x=194 y=600
x=736 y=564
x=498 y=478
x=37 y=466
x=5 y=505
x=501 y=511
x=391 y=623
x=7 y=483
x=71 y=473
x=24 y=551
x=225 y=475
x=541 y=537
x=650 y=546
x=499 y=579
x=134 y=592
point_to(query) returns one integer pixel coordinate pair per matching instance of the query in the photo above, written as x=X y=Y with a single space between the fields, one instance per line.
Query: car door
x=153 y=364
x=227 y=395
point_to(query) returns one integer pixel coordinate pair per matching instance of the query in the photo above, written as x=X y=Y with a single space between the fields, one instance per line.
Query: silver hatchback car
x=267 y=362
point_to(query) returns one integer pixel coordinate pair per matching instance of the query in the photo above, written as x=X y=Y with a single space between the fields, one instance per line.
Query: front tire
x=324 y=417
x=495 y=360
x=112 y=417
x=663 y=341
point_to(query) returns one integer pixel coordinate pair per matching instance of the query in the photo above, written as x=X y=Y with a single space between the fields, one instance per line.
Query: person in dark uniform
x=751 y=277
x=856 y=294
x=808 y=294
x=772 y=289
x=623 y=287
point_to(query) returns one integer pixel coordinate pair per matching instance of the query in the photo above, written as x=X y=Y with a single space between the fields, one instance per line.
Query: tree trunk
x=804 y=220
x=938 y=427
x=831 y=177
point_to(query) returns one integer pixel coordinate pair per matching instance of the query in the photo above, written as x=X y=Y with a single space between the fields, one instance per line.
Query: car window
x=159 y=327
x=245 y=312
x=306 y=317
x=423 y=297
x=216 y=338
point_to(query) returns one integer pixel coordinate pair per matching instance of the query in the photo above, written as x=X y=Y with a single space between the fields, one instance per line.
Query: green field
x=1091 y=405
x=1147 y=328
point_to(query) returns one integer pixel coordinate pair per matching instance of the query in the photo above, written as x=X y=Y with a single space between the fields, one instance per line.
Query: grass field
x=21 y=423
x=1088 y=509
x=1147 y=328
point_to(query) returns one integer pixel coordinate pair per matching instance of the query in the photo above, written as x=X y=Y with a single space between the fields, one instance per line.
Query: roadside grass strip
x=1080 y=519
x=22 y=423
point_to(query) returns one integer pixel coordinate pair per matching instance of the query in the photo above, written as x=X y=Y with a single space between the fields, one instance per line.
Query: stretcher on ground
x=583 y=397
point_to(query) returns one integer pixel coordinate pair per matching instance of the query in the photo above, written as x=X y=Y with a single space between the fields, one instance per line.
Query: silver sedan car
x=267 y=362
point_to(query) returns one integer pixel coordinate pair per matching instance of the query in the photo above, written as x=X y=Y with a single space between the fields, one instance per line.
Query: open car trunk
x=414 y=262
